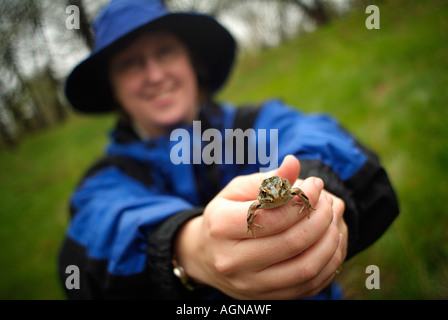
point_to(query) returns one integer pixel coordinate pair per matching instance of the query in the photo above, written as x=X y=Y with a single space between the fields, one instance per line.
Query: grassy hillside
x=387 y=86
x=36 y=181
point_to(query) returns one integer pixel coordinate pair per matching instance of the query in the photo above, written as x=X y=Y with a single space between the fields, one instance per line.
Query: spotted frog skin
x=275 y=192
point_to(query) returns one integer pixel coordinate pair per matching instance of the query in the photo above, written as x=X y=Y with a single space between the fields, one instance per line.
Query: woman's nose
x=154 y=71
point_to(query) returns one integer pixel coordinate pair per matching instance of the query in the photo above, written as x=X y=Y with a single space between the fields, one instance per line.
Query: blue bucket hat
x=87 y=86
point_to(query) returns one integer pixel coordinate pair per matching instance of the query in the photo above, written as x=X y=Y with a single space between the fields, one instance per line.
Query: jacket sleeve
x=113 y=216
x=349 y=170
x=370 y=200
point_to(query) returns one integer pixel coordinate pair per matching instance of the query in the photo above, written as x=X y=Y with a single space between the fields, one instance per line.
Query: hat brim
x=87 y=86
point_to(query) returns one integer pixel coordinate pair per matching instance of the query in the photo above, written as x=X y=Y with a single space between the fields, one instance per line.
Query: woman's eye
x=129 y=65
x=168 y=52
x=165 y=52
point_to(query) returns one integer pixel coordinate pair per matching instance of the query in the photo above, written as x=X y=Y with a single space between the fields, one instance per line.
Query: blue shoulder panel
x=312 y=136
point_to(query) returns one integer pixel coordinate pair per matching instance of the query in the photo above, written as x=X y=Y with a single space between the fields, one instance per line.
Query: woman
x=145 y=226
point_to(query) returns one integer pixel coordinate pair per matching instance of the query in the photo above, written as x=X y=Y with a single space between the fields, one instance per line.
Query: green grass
x=36 y=181
x=387 y=86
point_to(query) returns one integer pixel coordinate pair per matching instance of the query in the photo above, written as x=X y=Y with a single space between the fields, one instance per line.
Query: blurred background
x=388 y=86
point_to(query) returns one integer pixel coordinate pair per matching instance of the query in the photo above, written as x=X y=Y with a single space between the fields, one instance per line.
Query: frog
x=275 y=192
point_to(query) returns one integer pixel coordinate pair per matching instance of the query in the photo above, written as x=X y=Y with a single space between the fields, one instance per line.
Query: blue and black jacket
x=128 y=207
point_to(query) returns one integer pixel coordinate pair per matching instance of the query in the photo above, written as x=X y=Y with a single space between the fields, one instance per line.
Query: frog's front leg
x=251 y=215
x=304 y=200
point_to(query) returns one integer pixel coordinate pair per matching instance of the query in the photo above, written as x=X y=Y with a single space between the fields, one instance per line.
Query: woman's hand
x=292 y=256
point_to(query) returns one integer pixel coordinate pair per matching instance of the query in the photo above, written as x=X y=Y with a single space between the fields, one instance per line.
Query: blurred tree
x=314 y=9
x=282 y=12
x=265 y=20
x=211 y=7
x=22 y=35
x=55 y=108
x=8 y=127
x=18 y=96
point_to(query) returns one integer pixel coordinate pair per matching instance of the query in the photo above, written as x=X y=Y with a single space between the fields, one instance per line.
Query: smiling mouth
x=162 y=94
x=161 y=98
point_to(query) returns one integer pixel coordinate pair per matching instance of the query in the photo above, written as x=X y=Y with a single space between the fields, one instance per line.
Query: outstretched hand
x=291 y=257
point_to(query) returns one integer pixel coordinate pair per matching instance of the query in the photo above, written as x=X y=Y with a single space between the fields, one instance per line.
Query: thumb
x=245 y=188
x=289 y=169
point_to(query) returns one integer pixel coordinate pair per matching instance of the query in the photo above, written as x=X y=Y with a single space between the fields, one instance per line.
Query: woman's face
x=154 y=81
